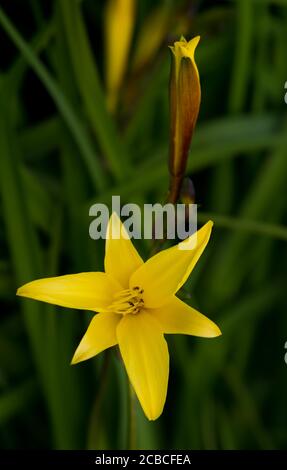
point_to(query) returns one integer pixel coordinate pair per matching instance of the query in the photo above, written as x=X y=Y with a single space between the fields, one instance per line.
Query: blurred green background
x=61 y=151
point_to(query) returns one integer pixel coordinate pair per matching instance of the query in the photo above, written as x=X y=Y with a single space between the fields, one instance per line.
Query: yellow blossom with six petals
x=136 y=305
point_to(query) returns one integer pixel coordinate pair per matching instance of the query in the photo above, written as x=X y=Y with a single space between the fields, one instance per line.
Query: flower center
x=128 y=301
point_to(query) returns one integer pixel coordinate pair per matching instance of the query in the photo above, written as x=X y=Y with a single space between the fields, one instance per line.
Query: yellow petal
x=145 y=354
x=100 y=335
x=87 y=291
x=178 y=317
x=121 y=259
x=164 y=274
x=183 y=49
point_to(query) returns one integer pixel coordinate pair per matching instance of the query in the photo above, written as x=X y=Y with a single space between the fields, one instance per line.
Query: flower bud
x=187 y=193
x=185 y=96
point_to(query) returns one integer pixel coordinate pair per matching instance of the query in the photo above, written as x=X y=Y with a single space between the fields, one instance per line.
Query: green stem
x=95 y=415
x=132 y=436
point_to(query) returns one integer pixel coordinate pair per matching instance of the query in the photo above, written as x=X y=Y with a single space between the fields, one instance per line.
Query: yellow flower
x=185 y=97
x=136 y=305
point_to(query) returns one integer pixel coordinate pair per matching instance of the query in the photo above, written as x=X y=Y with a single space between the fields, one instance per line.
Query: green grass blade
x=213 y=143
x=41 y=139
x=89 y=87
x=245 y=225
x=242 y=57
x=14 y=401
x=24 y=248
x=70 y=117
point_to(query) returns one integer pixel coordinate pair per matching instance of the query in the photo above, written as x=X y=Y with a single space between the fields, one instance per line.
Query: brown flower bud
x=185 y=96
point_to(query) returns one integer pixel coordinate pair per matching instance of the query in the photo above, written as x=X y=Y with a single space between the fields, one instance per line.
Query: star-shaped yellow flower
x=136 y=305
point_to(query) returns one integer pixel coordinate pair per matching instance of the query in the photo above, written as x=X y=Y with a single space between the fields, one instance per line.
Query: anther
x=128 y=301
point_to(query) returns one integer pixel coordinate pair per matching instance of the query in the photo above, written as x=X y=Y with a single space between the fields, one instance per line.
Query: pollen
x=128 y=301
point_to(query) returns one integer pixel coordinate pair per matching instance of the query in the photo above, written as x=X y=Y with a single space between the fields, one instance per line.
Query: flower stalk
x=132 y=434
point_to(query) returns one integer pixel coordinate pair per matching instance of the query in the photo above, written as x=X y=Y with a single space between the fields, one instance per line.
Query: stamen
x=127 y=301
